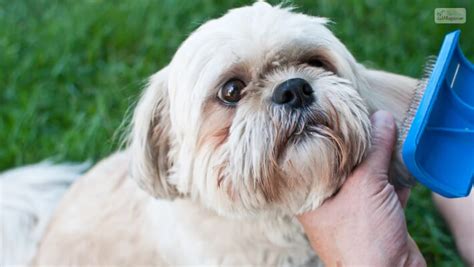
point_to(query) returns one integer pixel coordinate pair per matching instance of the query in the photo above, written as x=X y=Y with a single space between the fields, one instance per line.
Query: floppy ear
x=149 y=141
x=393 y=93
x=389 y=91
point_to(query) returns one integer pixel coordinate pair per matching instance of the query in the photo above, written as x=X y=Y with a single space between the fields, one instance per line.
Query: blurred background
x=70 y=71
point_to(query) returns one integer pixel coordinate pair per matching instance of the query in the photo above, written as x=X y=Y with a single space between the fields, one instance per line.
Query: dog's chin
x=305 y=176
x=312 y=164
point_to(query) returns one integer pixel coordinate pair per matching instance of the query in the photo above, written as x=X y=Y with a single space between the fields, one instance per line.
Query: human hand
x=364 y=223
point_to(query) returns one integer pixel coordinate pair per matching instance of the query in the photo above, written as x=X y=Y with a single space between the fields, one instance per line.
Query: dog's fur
x=28 y=196
x=223 y=183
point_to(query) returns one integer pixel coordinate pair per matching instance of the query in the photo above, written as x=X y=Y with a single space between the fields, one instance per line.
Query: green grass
x=69 y=70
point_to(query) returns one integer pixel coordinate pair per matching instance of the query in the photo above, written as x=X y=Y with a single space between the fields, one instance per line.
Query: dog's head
x=260 y=110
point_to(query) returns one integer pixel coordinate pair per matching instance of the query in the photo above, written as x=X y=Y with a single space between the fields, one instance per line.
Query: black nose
x=296 y=93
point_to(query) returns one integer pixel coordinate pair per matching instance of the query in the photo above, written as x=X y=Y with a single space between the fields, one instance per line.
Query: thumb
x=383 y=141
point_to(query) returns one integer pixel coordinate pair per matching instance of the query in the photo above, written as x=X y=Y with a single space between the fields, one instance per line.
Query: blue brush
x=439 y=145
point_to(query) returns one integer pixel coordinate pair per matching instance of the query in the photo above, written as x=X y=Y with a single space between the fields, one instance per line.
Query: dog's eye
x=231 y=92
x=316 y=62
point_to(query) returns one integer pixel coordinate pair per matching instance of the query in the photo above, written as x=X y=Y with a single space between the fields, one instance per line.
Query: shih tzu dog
x=260 y=115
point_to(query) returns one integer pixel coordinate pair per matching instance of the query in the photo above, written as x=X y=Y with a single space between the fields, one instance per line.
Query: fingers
x=383 y=141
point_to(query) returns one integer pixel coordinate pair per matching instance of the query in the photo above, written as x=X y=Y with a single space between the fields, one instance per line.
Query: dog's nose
x=296 y=93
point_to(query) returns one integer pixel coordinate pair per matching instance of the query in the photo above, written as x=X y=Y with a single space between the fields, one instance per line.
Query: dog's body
x=28 y=197
x=106 y=220
x=261 y=115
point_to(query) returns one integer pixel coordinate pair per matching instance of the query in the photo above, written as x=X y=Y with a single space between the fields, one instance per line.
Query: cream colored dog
x=260 y=115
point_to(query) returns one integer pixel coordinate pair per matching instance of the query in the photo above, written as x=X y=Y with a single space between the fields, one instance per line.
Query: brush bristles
x=416 y=99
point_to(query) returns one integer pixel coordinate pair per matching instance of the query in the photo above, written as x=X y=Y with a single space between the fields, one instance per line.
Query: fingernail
x=382 y=118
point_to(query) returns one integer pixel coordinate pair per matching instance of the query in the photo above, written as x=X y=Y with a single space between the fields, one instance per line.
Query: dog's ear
x=149 y=141
x=393 y=93
x=388 y=91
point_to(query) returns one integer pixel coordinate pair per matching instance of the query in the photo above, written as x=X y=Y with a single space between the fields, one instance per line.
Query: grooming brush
x=439 y=126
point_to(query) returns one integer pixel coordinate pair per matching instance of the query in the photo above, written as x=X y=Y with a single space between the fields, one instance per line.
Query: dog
x=260 y=115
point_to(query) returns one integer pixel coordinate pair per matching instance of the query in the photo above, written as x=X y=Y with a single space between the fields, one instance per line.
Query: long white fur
x=28 y=196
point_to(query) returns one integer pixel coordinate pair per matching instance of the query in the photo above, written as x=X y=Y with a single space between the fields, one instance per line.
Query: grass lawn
x=69 y=70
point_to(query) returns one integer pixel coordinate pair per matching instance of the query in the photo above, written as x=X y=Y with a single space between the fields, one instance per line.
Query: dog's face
x=258 y=111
